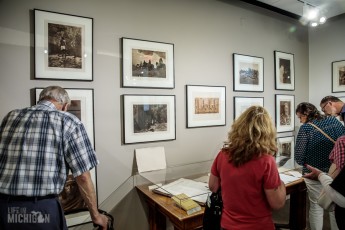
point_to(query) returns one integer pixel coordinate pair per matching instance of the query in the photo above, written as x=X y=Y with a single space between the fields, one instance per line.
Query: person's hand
x=314 y=174
x=102 y=221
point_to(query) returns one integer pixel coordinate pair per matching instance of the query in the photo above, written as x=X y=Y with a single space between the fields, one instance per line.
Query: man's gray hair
x=55 y=93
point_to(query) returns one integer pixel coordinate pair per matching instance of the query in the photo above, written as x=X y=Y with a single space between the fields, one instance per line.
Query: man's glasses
x=323 y=107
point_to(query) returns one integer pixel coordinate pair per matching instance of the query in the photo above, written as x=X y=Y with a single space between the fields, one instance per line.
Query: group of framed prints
x=248 y=72
x=64 y=51
x=147 y=117
x=248 y=76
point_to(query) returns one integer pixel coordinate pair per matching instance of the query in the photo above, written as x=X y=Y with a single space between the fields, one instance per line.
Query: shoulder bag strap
x=321 y=131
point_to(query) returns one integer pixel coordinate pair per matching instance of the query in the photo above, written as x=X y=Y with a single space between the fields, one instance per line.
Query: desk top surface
x=166 y=204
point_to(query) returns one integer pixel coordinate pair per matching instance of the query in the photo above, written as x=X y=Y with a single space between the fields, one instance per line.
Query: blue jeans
x=32 y=215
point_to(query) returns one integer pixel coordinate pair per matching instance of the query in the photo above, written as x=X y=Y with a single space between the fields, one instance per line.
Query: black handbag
x=213 y=211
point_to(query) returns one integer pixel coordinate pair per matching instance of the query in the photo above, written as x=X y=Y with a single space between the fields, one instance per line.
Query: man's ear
x=65 y=107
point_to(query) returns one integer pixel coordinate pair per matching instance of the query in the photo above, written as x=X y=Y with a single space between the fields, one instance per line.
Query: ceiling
x=294 y=8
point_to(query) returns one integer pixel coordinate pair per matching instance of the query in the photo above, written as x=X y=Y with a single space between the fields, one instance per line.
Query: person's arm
x=335 y=196
x=276 y=197
x=213 y=183
x=88 y=193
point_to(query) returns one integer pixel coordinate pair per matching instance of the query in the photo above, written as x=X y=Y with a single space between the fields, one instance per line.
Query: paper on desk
x=150 y=159
x=198 y=191
x=287 y=179
x=295 y=173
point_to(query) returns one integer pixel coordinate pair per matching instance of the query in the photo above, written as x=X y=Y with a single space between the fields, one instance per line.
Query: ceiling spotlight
x=312 y=13
x=314 y=24
x=322 y=19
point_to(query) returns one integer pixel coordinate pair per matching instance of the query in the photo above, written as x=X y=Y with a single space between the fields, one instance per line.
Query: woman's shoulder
x=266 y=158
x=329 y=120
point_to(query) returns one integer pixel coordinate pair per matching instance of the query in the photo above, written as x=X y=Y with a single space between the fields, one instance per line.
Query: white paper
x=197 y=191
x=287 y=179
x=150 y=159
x=295 y=174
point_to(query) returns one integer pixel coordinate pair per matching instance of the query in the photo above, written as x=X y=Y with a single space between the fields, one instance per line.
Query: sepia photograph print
x=243 y=103
x=338 y=76
x=284 y=71
x=285 y=155
x=248 y=73
x=205 y=106
x=148 y=118
x=285 y=116
x=63 y=46
x=147 y=64
x=73 y=205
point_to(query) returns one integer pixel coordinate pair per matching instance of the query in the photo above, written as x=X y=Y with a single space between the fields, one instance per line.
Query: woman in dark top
x=313 y=148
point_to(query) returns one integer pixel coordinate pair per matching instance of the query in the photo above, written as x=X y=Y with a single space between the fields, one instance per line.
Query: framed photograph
x=284 y=70
x=338 y=76
x=285 y=116
x=74 y=206
x=248 y=73
x=205 y=106
x=148 y=118
x=147 y=64
x=63 y=46
x=285 y=155
x=243 y=103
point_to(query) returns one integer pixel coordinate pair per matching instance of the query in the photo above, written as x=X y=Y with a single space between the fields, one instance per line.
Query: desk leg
x=298 y=204
x=157 y=220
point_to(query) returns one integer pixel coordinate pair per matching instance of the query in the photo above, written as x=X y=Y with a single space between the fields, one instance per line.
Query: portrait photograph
x=338 y=76
x=285 y=115
x=148 y=118
x=63 y=46
x=284 y=71
x=248 y=73
x=147 y=64
x=72 y=203
x=205 y=105
x=285 y=155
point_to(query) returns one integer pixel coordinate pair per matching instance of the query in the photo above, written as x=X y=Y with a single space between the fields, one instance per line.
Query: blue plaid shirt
x=38 y=145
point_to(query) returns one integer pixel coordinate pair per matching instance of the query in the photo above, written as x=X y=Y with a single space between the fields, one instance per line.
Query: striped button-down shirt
x=337 y=155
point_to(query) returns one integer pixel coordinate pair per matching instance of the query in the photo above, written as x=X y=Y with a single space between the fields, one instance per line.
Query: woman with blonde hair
x=247 y=174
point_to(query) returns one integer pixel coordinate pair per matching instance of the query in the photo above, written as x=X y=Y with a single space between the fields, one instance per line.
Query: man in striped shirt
x=38 y=146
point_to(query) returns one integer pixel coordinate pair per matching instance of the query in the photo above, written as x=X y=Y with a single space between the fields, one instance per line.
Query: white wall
x=205 y=34
x=326 y=45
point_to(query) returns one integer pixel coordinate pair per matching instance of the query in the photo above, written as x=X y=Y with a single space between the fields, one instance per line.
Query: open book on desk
x=197 y=191
x=288 y=179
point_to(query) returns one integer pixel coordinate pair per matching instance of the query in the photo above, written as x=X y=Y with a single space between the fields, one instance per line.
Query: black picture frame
x=206 y=106
x=248 y=75
x=243 y=103
x=147 y=64
x=63 y=46
x=148 y=118
x=284 y=67
x=82 y=106
x=285 y=116
x=338 y=76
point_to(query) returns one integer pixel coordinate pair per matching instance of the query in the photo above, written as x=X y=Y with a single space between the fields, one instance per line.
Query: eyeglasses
x=323 y=107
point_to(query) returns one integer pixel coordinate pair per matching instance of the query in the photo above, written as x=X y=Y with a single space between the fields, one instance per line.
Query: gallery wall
x=326 y=45
x=205 y=34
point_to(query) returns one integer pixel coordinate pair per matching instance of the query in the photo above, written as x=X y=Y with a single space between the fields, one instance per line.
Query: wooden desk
x=161 y=207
